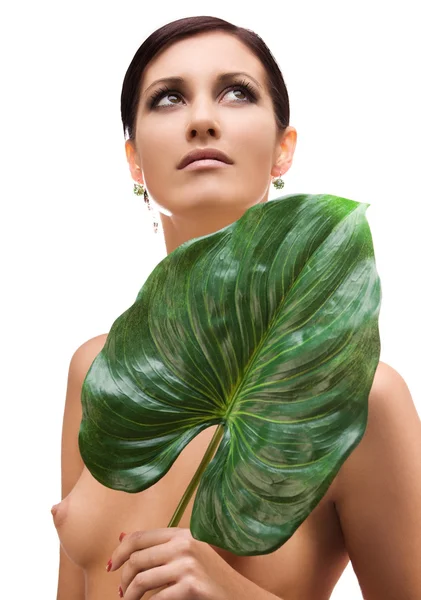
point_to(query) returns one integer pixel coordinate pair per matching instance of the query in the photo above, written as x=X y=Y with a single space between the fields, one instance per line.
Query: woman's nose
x=203 y=120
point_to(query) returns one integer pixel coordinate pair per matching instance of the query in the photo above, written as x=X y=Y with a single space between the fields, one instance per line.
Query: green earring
x=138 y=189
x=278 y=183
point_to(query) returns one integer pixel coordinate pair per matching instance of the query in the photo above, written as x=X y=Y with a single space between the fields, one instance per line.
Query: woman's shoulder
x=85 y=354
x=379 y=488
x=91 y=345
x=392 y=433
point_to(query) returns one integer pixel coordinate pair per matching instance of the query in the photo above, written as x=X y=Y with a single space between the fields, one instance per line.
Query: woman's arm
x=379 y=494
x=71 y=580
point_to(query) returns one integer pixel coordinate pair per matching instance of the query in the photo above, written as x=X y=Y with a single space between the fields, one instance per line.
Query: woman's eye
x=167 y=93
x=237 y=89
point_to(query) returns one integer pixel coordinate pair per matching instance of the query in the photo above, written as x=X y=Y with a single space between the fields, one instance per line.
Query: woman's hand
x=171 y=557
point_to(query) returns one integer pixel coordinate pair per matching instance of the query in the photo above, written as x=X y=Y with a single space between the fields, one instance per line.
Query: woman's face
x=204 y=112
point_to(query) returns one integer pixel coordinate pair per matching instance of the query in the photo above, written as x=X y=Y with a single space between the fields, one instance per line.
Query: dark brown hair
x=189 y=26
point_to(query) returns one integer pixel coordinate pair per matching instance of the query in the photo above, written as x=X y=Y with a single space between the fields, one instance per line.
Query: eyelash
x=243 y=85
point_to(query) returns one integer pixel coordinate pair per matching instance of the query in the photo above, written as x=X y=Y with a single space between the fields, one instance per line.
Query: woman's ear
x=285 y=151
x=132 y=159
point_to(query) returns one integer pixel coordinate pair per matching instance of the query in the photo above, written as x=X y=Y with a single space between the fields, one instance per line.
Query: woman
x=372 y=511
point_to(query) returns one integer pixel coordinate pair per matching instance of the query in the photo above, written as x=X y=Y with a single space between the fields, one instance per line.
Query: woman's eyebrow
x=220 y=79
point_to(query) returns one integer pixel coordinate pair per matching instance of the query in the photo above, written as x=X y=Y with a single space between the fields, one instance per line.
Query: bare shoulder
x=85 y=354
x=388 y=388
x=80 y=362
x=390 y=406
x=92 y=345
x=378 y=493
x=71 y=461
x=71 y=582
x=385 y=377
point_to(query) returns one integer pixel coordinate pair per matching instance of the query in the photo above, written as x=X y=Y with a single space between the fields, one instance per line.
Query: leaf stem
x=213 y=446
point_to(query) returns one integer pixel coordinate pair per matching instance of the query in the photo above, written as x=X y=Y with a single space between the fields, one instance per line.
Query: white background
x=77 y=245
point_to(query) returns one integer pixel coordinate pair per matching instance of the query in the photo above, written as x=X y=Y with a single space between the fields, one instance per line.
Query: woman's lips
x=205 y=163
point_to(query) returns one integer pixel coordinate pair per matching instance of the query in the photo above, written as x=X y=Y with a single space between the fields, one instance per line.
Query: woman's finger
x=144 y=560
x=150 y=580
x=140 y=540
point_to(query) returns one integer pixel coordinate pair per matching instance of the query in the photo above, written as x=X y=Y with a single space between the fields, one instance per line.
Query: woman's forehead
x=200 y=56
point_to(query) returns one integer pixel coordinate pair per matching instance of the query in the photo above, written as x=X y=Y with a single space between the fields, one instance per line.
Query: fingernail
x=120 y=591
x=109 y=565
x=122 y=534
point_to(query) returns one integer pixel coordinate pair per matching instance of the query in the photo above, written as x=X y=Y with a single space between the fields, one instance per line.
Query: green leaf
x=269 y=328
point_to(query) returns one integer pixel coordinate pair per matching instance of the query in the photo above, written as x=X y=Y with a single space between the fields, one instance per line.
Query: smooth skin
x=371 y=514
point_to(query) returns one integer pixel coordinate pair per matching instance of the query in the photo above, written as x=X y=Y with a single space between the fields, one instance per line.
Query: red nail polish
x=122 y=534
x=120 y=591
x=109 y=565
